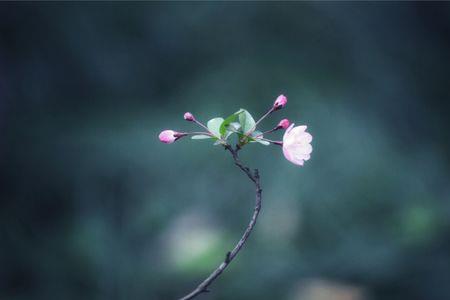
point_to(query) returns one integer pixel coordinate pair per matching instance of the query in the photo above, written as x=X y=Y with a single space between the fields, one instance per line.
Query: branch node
x=227 y=257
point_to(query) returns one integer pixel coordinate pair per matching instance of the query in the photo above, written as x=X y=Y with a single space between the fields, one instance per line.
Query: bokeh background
x=93 y=206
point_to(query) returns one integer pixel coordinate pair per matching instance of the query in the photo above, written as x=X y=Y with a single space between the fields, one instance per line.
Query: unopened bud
x=188 y=116
x=170 y=136
x=280 y=102
x=283 y=124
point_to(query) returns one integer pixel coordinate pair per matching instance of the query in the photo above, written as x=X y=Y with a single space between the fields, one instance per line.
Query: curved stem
x=254 y=176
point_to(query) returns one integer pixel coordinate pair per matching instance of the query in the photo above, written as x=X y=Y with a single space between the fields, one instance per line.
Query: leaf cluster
x=240 y=123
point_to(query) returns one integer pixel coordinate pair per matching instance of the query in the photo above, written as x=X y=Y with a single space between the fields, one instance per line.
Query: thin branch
x=203 y=287
x=271 y=110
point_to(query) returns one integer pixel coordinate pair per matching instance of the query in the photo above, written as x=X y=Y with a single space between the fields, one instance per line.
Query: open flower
x=297 y=144
x=170 y=136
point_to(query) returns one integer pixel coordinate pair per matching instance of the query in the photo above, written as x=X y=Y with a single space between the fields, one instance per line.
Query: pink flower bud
x=188 y=116
x=169 y=136
x=283 y=124
x=280 y=102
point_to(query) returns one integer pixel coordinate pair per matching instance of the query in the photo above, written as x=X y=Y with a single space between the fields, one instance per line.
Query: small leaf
x=257 y=133
x=200 y=137
x=218 y=142
x=235 y=126
x=227 y=134
x=256 y=138
x=247 y=121
x=265 y=143
x=214 y=126
x=228 y=121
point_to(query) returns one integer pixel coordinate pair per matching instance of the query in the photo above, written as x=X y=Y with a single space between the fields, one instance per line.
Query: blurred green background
x=93 y=206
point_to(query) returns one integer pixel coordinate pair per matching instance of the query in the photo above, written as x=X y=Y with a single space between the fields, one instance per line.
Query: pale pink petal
x=298 y=138
x=292 y=157
x=306 y=138
x=288 y=130
x=303 y=149
x=300 y=156
x=300 y=162
x=300 y=150
x=296 y=144
x=298 y=129
x=287 y=153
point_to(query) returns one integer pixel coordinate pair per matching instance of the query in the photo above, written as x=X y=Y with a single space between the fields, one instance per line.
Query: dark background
x=93 y=206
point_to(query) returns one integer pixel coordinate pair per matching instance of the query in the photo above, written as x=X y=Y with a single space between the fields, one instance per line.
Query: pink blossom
x=297 y=144
x=188 y=116
x=280 y=102
x=169 y=136
x=283 y=124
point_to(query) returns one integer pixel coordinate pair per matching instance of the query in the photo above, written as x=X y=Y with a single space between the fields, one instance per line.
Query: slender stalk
x=271 y=110
x=198 y=133
x=208 y=132
x=266 y=132
x=201 y=125
x=254 y=177
x=279 y=143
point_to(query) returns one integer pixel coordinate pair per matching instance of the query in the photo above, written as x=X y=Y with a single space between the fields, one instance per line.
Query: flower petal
x=292 y=157
x=288 y=130
x=296 y=144
x=303 y=149
x=299 y=129
x=305 y=138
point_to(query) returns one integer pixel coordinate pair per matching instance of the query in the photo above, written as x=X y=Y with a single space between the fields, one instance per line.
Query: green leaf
x=214 y=126
x=255 y=139
x=235 y=126
x=228 y=121
x=200 y=137
x=247 y=121
x=265 y=143
x=256 y=133
x=227 y=134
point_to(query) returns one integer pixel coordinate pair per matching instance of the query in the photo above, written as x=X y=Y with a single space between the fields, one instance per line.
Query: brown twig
x=203 y=287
